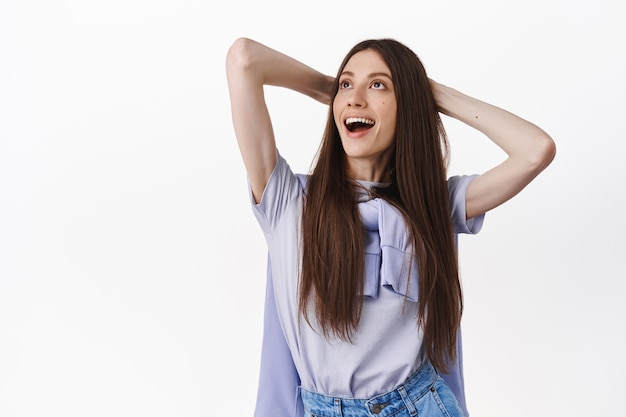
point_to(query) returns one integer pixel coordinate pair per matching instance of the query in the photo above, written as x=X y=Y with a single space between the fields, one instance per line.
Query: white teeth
x=359 y=120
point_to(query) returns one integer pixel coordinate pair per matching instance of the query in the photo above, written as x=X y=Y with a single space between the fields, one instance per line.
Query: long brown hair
x=332 y=232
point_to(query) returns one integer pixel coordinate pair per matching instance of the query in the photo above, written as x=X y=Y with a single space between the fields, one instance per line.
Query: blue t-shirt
x=386 y=348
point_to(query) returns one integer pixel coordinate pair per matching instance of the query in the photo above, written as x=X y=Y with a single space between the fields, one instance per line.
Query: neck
x=367 y=170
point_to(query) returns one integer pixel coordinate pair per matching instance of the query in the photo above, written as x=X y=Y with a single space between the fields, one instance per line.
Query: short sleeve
x=282 y=190
x=457 y=188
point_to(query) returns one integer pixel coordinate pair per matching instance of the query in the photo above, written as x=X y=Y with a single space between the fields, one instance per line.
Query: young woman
x=363 y=295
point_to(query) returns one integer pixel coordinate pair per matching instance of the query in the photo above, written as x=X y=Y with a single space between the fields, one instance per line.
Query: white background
x=131 y=267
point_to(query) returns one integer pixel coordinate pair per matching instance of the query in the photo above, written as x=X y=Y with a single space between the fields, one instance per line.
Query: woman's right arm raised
x=249 y=66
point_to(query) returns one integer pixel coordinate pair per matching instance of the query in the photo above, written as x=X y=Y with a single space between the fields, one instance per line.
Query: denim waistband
x=403 y=396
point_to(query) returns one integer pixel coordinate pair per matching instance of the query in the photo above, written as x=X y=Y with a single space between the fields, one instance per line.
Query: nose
x=356 y=99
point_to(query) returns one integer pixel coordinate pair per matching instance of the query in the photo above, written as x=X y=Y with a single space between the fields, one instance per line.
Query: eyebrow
x=371 y=75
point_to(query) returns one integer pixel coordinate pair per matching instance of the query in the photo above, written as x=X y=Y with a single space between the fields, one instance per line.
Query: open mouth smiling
x=358 y=124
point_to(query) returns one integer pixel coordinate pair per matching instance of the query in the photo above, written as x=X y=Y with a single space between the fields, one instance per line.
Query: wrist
x=446 y=98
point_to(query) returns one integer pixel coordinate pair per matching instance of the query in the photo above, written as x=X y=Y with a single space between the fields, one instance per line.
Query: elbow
x=543 y=153
x=240 y=55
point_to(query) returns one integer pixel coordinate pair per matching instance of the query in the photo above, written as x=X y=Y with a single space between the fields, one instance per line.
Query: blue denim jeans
x=424 y=394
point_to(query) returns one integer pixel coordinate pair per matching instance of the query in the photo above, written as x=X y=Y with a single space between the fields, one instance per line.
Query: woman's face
x=365 y=114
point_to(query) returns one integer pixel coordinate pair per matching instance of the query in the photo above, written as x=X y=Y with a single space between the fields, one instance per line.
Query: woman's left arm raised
x=530 y=150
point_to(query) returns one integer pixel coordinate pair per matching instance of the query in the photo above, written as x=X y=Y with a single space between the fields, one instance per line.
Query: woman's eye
x=378 y=85
x=345 y=84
